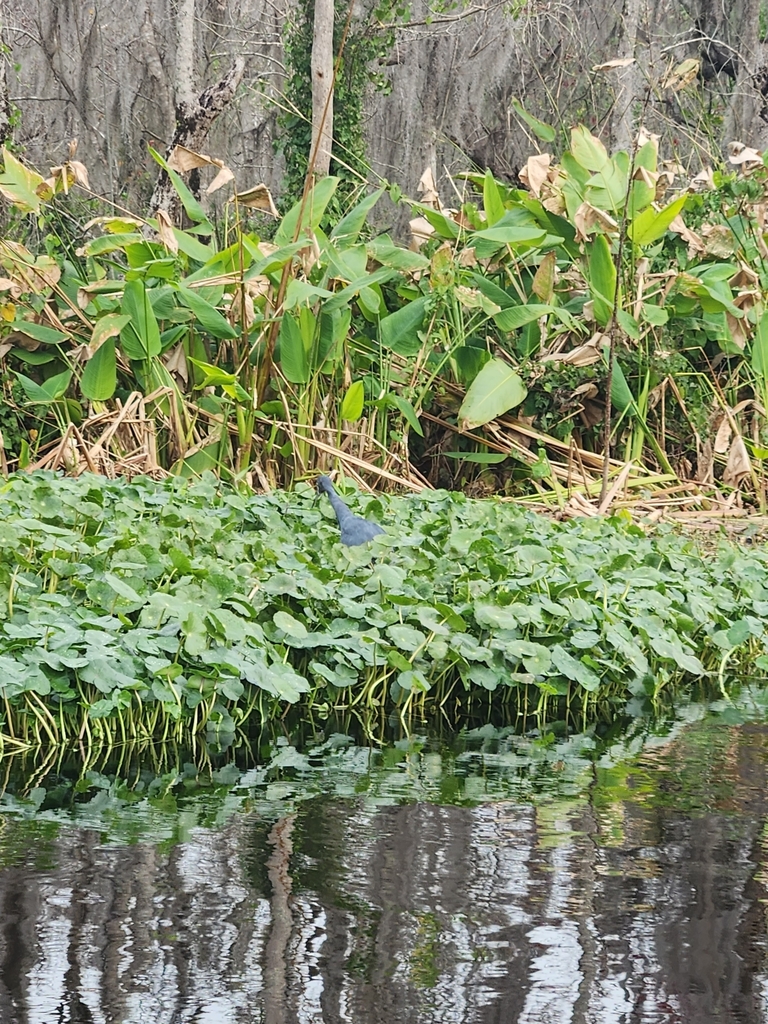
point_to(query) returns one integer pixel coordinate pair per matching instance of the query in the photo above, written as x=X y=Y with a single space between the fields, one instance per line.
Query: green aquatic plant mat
x=135 y=608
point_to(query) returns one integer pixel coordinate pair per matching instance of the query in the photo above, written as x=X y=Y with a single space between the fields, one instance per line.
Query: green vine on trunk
x=368 y=46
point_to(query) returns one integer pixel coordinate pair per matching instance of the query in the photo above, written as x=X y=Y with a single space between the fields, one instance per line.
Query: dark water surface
x=479 y=877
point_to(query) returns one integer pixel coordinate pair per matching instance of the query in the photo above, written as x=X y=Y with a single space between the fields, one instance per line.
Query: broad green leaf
x=621 y=397
x=445 y=227
x=514 y=317
x=311 y=212
x=409 y=413
x=588 y=150
x=52 y=389
x=110 y=243
x=46 y=335
x=302 y=292
x=574 y=669
x=214 y=375
x=602 y=279
x=400 y=330
x=208 y=317
x=406 y=638
x=413 y=679
x=641 y=195
x=99 y=378
x=655 y=315
x=37 y=358
x=351 y=224
x=19 y=184
x=650 y=225
x=628 y=324
x=193 y=247
x=510 y=234
x=541 y=130
x=647 y=155
x=492 y=201
x=140 y=339
x=122 y=589
x=343 y=297
x=352 y=404
x=384 y=251
x=494 y=391
x=293 y=353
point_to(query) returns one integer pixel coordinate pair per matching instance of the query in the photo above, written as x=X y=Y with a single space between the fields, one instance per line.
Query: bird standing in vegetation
x=354 y=529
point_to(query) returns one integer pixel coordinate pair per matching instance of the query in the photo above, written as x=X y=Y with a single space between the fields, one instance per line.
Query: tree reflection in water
x=345 y=890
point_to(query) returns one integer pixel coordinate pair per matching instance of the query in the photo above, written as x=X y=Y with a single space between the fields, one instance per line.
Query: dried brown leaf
x=617 y=62
x=224 y=176
x=741 y=155
x=704 y=180
x=683 y=74
x=536 y=172
x=183 y=160
x=588 y=218
x=421 y=231
x=583 y=355
x=257 y=198
x=7 y=284
x=718 y=240
x=80 y=173
x=165 y=231
x=738 y=466
x=695 y=242
x=544 y=279
x=176 y=363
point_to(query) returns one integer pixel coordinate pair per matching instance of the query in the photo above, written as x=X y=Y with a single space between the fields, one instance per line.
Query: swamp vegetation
x=490 y=355
x=151 y=608
x=487 y=356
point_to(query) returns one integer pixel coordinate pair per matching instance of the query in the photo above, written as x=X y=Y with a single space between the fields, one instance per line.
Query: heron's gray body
x=354 y=529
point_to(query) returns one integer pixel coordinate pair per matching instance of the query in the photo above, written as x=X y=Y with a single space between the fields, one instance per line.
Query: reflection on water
x=484 y=878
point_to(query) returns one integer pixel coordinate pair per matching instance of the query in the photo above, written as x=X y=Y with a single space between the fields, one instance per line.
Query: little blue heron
x=354 y=529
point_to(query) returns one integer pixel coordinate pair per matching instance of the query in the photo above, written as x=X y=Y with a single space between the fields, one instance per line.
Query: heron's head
x=324 y=485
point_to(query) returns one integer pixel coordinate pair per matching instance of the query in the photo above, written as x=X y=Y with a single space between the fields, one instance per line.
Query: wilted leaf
x=165 y=231
x=224 y=176
x=544 y=279
x=107 y=326
x=739 y=154
x=421 y=231
x=257 y=198
x=685 y=73
x=588 y=218
x=617 y=62
x=535 y=172
x=183 y=159
x=738 y=467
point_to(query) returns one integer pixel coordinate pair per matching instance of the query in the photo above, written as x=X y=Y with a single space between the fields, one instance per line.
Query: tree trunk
x=193 y=122
x=5 y=103
x=322 y=87
x=194 y=115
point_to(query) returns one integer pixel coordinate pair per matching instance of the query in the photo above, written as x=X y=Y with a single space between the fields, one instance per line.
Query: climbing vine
x=369 y=43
